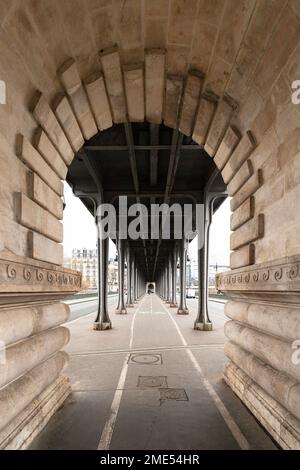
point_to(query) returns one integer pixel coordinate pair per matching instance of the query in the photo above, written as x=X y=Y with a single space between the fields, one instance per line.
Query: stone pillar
x=202 y=321
x=32 y=382
x=121 y=268
x=183 y=246
x=173 y=303
x=102 y=321
x=27 y=403
x=263 y=343
x=129 y=302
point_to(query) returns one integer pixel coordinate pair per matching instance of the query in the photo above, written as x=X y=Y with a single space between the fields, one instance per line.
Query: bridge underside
x=149 y=164
x=161 y=101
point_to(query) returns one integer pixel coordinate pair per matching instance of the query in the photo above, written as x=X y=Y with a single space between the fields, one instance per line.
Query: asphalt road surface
x=88 y=306
x=151 y=382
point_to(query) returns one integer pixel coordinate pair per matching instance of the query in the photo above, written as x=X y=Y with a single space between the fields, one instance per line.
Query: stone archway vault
x=231 y=99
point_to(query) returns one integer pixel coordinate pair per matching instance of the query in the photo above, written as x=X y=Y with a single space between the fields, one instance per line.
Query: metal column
x=174 y=277
x=129 y=302
x=202 y=321
x=121 y=272
x=182 y=309
x=102 y=321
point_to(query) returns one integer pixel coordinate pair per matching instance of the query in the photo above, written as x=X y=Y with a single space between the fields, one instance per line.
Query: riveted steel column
x=202 y=321
x=173 y=303
x=129 y=302
x=134 y=279
x=121 y=272
x=183 y=245
x=102 y=321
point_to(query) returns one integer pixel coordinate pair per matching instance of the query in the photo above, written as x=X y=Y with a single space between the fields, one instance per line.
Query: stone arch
x=135 y=94
x=234 y=103
x=150 y=286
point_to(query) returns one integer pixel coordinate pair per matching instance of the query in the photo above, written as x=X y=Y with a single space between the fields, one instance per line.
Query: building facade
x=85 y=261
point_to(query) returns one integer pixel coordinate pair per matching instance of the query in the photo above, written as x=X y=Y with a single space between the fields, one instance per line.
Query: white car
x=191 y=293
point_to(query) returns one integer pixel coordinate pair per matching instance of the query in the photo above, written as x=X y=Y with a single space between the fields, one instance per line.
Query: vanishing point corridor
x=154 y=116
x=151 y=382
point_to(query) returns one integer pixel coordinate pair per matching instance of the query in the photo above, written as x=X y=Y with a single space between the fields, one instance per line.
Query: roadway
x=85 y=307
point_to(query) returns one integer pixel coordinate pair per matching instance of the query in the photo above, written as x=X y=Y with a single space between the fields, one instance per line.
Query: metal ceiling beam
x=176 y=145
x=154 y=136
x=132 y=156
x=111 y=196
x=92 y=171
x=150 y=147
x=134 y=172
x=173 y=163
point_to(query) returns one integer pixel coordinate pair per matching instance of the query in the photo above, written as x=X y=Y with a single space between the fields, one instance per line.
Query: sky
x=80 y=230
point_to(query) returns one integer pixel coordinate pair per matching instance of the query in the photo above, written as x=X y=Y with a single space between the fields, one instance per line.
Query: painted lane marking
x=108 y=352
x=108 y=429
x=233 y=427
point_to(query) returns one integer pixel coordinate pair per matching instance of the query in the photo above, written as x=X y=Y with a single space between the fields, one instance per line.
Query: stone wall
x=220 y=72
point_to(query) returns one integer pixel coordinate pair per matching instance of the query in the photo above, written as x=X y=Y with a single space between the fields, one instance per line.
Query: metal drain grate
x=177 y=394
x=154 y=381
x=146 y=359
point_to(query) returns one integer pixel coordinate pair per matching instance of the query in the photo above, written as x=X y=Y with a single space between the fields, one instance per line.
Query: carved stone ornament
x=279 y=276
x=25 y=277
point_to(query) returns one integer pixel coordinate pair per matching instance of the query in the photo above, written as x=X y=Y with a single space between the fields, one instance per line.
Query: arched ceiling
x=224 y=39
x=160 y=61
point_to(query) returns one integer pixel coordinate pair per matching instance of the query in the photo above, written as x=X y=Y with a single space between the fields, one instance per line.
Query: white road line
x=108 y=352
x=108 y=429
x=235 y=430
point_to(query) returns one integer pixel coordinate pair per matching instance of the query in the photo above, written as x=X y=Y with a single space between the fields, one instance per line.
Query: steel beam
x=124 y=148
x=154 y=135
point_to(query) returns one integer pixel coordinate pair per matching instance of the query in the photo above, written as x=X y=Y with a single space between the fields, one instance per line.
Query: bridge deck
x=152 y=382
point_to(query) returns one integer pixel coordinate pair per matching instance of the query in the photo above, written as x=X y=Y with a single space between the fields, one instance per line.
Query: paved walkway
x=152 y=382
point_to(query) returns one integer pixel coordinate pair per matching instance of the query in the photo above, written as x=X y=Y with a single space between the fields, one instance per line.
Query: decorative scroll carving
x=281 y=276
x=11 y=272
x=27 y=274
x=35 y=278
x=39 y=276
x=293 y=272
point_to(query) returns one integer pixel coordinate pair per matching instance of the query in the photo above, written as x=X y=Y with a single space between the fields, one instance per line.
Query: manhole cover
x=178 y=394
x=152 y=381
x=145 y=359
